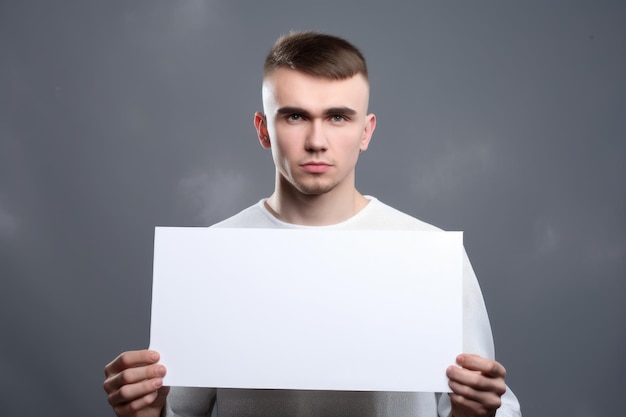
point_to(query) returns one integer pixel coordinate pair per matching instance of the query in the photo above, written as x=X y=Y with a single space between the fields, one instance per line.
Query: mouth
x=315 y=167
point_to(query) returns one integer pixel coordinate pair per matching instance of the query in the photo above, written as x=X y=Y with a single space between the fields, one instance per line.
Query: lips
x=316 y=167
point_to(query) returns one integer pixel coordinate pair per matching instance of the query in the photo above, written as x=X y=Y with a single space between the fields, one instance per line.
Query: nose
x=316 y=138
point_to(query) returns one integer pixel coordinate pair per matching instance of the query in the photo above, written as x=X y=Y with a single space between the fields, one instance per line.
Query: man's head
x=315 y=120
x=316 y=54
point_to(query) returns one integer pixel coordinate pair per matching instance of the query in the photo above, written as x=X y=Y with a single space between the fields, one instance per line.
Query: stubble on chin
x=313 y=186
x=317 y=188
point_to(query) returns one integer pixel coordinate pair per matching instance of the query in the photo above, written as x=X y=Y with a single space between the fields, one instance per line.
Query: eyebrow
x=330 y=111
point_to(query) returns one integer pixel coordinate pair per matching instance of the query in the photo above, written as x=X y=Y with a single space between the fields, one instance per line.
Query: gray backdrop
x=502 y=119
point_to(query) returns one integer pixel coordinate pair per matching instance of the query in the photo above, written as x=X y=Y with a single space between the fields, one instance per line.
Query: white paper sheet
x=307 y=309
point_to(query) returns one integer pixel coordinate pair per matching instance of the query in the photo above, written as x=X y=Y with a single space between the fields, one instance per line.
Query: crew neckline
x=372 y=201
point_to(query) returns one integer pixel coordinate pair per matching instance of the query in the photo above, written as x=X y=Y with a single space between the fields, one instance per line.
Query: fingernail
x=154 y=356
x=161 y=371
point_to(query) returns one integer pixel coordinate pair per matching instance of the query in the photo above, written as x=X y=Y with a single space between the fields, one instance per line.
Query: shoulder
x=254 y=216
x=378 y=215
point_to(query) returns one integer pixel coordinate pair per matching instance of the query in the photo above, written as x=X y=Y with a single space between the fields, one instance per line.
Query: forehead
x=287 y=87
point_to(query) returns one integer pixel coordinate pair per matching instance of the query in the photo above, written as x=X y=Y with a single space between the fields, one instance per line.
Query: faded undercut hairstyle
x=316 y=54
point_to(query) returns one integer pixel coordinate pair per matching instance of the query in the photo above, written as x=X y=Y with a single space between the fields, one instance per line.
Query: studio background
x=502 y=119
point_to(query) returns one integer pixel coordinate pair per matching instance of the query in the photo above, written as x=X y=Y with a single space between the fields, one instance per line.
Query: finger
x=476 y=408
x=131 y=408
x=132 y=376
x=131 y=359
x=486 y=366
x=476 y=380
x=487 y=398
x=132 y=392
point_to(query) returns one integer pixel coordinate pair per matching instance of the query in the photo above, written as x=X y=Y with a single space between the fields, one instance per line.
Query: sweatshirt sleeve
x=478 y=339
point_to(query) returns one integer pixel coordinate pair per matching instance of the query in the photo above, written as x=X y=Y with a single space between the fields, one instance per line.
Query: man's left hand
x=476 y=386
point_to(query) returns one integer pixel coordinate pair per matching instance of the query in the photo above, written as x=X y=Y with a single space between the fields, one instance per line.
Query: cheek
x=351 y=140
x=288 y=138
x=282 y=150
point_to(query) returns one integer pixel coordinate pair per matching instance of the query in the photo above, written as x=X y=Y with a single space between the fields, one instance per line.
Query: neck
x=325 y=209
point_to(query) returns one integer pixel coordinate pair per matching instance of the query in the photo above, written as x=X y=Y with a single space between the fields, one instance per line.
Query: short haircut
x=316 y=54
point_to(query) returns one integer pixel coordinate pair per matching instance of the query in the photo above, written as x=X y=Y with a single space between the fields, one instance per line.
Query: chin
x=315 y=189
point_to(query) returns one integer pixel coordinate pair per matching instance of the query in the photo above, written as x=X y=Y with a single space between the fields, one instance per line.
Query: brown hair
x=316 y=54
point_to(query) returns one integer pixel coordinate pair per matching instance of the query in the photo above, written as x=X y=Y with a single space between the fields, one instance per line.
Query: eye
x=294 y=117
x=338 y=118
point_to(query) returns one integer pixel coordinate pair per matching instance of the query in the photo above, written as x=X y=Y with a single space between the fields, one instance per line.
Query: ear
x=368 y=131
x=260 y=124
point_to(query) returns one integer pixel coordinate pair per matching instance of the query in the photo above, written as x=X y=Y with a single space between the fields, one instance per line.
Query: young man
x=315 y=98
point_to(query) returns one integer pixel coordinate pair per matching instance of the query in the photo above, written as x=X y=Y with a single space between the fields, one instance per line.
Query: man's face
x=316 y=128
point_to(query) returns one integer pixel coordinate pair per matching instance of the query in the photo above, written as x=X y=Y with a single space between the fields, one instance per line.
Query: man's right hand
x=134 y=384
